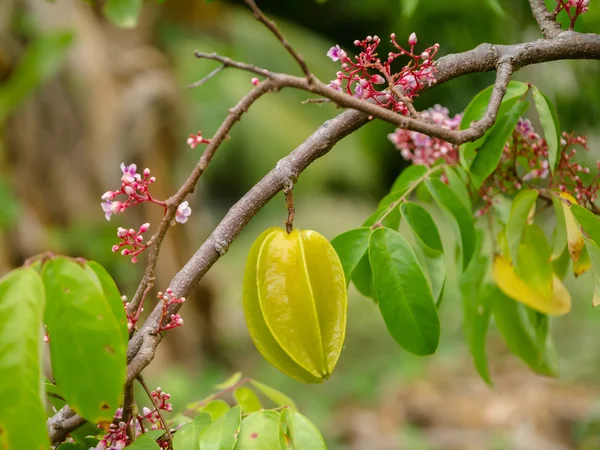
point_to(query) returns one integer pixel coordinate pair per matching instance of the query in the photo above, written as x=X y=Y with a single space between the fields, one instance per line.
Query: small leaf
x=123 y=13
x=277 y=397
x=362 y=277
x=449 y=203
x=518 y=335
x=351 y=246
x=557 y=303
x=550 y=125
x=86 y=339
x=22 y=416
x=144 y=442
x=247 y=399
x=476 y=296
x=188 y=436
x=405 y=299
x=533 y=264
x=428 y=238
x=575 y=242
x=216 y=408
x=260 y=431
x=489 y=153
x=476 y=110
x=590 y=223
x=301 y=432
x=458 y=186
x=230 y=382
x=522 y=208
x=223 y=433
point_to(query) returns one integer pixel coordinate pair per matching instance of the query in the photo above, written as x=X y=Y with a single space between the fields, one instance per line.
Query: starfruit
x=295 y=302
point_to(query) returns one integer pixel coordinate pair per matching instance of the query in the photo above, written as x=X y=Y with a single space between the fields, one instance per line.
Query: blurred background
x=79 y=96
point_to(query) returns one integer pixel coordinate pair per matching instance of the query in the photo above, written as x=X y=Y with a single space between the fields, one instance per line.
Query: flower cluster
x=359 y=77
x=135 y=187
x=525 y=160
x=117 y=438
x=169 y=299
x=131 y=242
x=573 y=8
x=197 y=138
x=423 y=150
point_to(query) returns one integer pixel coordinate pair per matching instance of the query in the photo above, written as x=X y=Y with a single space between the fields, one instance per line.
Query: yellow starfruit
x=295 y=302
x=557 y=303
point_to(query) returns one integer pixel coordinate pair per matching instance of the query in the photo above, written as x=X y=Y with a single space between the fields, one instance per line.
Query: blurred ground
x=121 y=96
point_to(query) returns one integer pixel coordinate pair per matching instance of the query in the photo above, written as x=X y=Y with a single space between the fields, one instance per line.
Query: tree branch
x=142 y=346
x=545 y=19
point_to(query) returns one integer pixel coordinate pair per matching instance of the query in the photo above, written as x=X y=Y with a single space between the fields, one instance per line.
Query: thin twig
x=207 y=77
x=289 y=203
x=279 y=35
x=156 y=407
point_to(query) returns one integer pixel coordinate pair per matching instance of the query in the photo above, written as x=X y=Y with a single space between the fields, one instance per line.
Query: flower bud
x=412 y=39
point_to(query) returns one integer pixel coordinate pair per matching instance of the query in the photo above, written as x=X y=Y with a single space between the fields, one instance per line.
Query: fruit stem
x=289 y=202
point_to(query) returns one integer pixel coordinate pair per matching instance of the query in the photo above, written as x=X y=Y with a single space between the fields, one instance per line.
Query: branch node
x=221 y=246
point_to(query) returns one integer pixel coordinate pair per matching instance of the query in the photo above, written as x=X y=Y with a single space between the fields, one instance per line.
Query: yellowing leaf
x=558 y=303
x=583 y=264
x=574 y=235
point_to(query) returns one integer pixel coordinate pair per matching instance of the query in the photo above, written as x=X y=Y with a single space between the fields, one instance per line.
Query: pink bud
x=129 y=190
x=115 y=248
x=357 y=42
x=134 y=259
x=145 y=227
x=146 y=172
x=109 y=195
x=139 y=238
x=412 y=40
x=425 y=55
x=121 y=232
x=125 y=252
x=393 y=36
x=152 y=179
x=255 y=81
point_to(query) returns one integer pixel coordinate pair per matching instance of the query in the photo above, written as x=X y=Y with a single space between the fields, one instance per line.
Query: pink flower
x=111 y=208
x=255 y=81
x=183 y=212
x=129 y=174
x=336 y=53
x=197 y=138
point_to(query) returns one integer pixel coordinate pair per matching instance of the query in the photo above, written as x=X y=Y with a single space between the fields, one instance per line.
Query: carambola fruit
x=295 y=302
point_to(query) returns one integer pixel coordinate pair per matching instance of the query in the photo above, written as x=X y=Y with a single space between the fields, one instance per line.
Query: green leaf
x=362 y=277
x=560 y=229
x=405 y=299
x=301 y=432
x=216 y=408
x=458 y=186
x=550 y=125
x=476 y=297
x=123 y=13
x=351 y=246
x=519 y=337
x=230 y=382
x=562 y=264
x=408 y=178
x=145 y=442
x=533 y=260
x=462 y=218
x=277 y=397
x=41 y=61
x=522 y=207
x=489 y=153
x=541 y=327
x=590 y=223
x=112 y=294
x=428 y=238
x=260 y=431
x=188 y=436
x=23 y=416
x=476 y=110
x=86 y=339
x=223 y=433
x=391 y=220
x=247 y=399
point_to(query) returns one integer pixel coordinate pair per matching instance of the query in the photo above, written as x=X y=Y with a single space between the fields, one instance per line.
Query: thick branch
x=568 y=45
x=545 y=19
